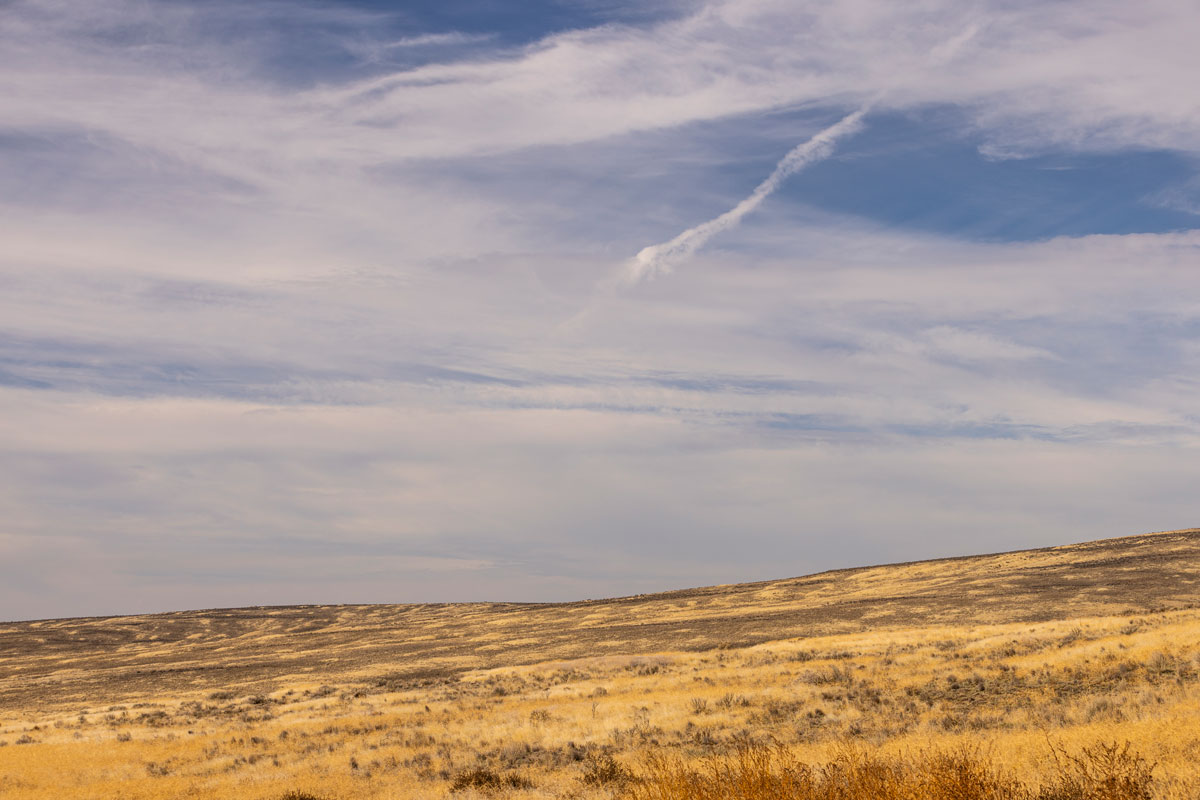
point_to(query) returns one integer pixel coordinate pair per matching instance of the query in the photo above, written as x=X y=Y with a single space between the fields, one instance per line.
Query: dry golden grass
x=762 y=772
x=1027 y=704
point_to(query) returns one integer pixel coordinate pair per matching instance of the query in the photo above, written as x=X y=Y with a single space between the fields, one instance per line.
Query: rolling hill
x=58 y=663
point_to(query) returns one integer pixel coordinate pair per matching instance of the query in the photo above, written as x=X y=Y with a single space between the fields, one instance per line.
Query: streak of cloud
x=658 y=259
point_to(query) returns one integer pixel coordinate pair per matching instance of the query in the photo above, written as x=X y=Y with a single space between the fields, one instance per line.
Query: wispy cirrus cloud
x=1019 y=71
x=316 y=288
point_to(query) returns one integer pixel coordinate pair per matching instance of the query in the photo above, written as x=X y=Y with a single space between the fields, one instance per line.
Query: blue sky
x=374 y=302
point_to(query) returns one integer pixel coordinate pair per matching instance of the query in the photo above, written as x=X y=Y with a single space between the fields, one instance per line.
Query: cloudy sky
x=316 y=302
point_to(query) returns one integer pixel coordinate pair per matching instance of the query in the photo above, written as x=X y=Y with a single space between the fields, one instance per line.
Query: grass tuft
x=606 y=771
x=486 y=780
x=771 y=772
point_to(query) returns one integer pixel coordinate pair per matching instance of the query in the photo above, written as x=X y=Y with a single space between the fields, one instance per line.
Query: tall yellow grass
x=1027 y=711
x=762 y=772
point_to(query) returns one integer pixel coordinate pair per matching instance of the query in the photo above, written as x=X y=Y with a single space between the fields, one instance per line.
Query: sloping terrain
x=55 y=663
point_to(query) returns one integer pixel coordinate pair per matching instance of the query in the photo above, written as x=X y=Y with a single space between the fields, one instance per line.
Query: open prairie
x=1058 y=673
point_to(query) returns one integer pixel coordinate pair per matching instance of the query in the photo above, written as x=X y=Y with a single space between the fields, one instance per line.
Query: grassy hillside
x=76 y=660
x=1030 y=668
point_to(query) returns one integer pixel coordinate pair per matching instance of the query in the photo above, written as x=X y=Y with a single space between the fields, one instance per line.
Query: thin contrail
x=660 y=258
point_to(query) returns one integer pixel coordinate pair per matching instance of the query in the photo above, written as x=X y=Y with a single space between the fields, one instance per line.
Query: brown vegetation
x=762 y=772
x=1099 y=703
x=255 y=650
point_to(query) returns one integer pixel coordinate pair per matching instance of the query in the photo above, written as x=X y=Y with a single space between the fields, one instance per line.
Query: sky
x=359 y=302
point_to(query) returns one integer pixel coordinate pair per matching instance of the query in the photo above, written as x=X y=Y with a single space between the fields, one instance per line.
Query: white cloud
x=1035 y=74
x=660 y=258
x=345 y=314
x=974 y=346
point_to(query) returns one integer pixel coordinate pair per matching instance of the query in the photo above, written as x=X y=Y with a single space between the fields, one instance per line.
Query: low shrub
x=1100 y=772
x=606 y=771
x=488 y=781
